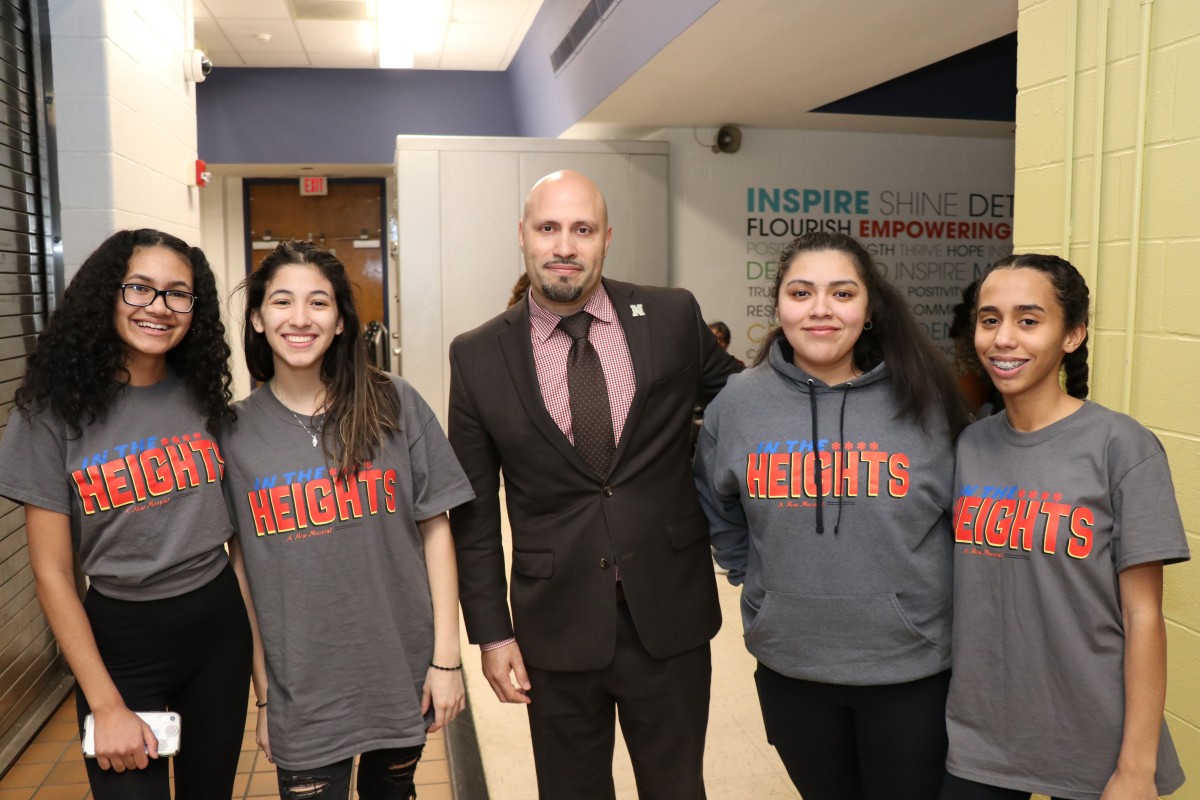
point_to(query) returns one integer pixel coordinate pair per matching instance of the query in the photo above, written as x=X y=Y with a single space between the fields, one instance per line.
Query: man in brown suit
x=612 y=592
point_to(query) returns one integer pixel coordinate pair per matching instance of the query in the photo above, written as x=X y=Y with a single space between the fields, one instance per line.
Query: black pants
x=858 y=742
x=956 y=788
x=189 y=654
x=382 y=775
x=663 y=707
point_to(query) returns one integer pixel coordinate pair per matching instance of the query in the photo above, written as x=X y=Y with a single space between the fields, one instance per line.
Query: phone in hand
x=165 y=724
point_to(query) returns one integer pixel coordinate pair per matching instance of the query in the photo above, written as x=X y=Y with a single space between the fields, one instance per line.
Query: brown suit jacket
x=569 y=527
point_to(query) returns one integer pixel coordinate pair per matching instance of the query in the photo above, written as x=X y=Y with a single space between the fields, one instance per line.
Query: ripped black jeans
x=382 y=775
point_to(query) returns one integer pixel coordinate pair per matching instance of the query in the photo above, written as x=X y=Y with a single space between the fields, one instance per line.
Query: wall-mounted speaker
x=729 y=139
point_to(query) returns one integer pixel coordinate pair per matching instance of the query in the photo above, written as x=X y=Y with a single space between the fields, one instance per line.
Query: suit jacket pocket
x=672 y=381
x=533 y=563
x=688 y=531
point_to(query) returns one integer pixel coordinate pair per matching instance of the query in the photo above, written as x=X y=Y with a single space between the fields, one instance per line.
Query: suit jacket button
x=604 y=563
x=608 y=492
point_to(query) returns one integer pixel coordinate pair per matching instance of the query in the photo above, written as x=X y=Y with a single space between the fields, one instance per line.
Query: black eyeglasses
x=136 y=294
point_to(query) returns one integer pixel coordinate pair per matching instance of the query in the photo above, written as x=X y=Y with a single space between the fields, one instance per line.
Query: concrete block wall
x=1068 y=49
x=126 y=119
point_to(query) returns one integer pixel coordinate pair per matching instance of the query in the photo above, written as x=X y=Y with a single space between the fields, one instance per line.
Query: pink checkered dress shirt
x=552 y=345
x=550 y=349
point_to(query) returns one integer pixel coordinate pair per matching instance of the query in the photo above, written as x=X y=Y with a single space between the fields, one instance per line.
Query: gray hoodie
x=846 y=569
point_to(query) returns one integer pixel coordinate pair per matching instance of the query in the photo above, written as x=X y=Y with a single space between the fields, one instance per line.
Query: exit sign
x=313 y=184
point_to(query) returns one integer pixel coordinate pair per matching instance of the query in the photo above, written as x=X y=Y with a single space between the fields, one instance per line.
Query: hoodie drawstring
x=841 y=437
x=812 y=403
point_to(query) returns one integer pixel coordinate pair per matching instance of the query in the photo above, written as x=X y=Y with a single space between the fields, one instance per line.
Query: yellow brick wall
x=1059 y=115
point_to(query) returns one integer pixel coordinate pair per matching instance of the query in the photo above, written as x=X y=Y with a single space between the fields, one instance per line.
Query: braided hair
x=1073 y=297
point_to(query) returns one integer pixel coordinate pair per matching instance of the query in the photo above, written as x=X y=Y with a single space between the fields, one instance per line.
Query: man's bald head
x=564 y=234
x=568 y=180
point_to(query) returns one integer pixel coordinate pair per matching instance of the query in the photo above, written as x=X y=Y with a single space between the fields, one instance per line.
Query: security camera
x=197 y=66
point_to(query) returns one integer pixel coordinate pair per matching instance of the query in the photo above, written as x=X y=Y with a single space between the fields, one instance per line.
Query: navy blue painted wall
x=347 y=116
x=284 y=116
x=980 y=83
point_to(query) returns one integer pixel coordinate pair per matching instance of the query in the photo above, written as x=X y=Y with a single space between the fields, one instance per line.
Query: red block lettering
x=183 y=464
x=280 y=505
x=157 y=470
x=117 y=483
x=1082 y=522
x=90 y=485
x=898 y=469
x=260 y=511
x=349 y=503
x=1054 y=512
x=319 y=496
x=756 y=475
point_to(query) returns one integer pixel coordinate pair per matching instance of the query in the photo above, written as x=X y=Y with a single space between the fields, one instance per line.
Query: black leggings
x=189 y=654
x=858 y=742
x=956 y=788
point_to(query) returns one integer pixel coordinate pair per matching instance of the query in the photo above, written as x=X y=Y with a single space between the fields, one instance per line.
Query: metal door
x=33 y=675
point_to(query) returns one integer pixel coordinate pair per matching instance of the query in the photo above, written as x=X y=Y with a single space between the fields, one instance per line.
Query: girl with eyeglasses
x=111 y=450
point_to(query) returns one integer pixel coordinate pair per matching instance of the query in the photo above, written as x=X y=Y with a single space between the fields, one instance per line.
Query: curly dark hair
x=1072 y=293
x=79 y=365
x=921 y=376
x=361 y=404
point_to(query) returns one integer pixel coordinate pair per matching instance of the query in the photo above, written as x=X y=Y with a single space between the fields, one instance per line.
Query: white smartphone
x=165 y=724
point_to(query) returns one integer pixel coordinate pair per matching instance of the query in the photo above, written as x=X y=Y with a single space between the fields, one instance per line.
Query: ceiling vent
x=340 y=10
x=589 y=19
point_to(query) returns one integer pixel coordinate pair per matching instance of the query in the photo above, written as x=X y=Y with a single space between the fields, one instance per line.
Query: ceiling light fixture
x=394 y=22
x=409 y=27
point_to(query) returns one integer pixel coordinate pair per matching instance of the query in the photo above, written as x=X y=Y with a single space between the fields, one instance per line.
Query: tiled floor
x=738 y=762
x=51 y=768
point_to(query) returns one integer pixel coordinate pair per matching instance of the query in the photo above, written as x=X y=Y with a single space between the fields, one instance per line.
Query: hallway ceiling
x=758 y=63
x=766 y=63
x=456 y=34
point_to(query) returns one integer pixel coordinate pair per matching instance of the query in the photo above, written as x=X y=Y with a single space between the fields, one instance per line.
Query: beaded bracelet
x=446 y=669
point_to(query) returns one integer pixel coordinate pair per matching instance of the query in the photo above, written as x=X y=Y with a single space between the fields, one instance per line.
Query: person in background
x=583 y=393
x=339 y=478
x=111 y=450
x=721 y=332
x=826 y=474
x=519 y=290
x=1064 y=517
x=978 y=391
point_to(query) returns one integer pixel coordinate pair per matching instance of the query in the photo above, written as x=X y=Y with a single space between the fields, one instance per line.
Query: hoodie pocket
x=815 y=631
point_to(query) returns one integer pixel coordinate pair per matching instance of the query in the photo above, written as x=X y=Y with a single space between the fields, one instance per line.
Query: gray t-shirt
x=338 y=576
x=1044 y=522
x=142 y=488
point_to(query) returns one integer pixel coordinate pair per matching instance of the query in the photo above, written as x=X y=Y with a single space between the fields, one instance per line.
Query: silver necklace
x=307 y=430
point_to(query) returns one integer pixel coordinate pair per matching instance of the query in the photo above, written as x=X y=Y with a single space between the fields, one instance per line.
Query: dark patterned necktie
x=591 y=416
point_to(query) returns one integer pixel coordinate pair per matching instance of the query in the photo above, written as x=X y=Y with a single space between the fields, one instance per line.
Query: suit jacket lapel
x=518 y=353
x=637 y=336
